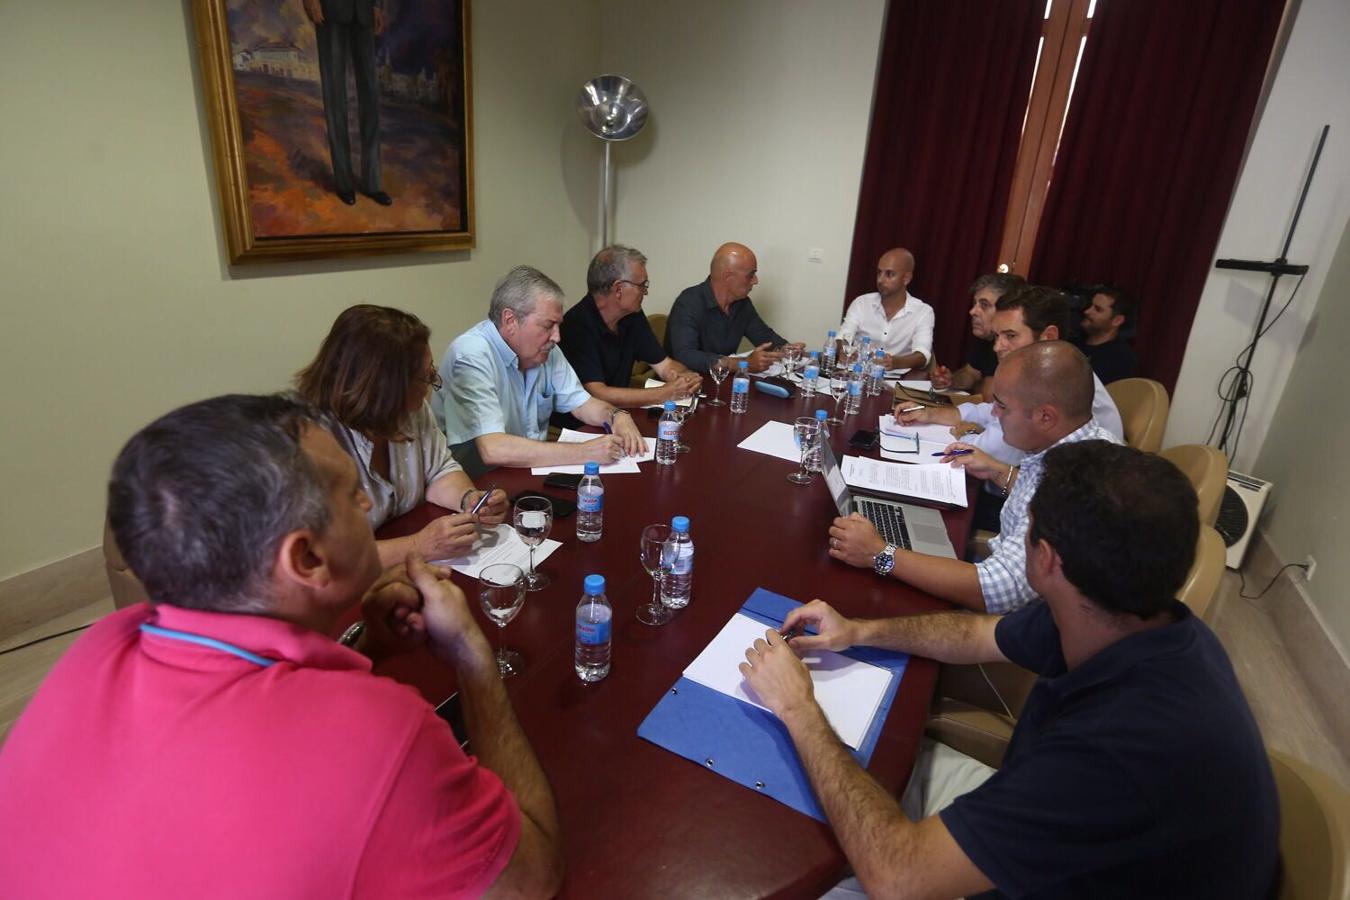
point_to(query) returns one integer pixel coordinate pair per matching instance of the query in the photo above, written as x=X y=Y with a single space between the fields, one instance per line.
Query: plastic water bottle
x=855 y=390
x=878 y=374
x=740 y=388
x=810 y=375
x=816 y=461
x=590 y=505
x=827 y=352
x=593 y=631
x=668 y=433
x=678 y=557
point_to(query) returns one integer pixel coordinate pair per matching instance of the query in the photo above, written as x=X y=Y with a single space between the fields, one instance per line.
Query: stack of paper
x=934 y=482
x=848 y=691
x=627 y=465
x=499 y=544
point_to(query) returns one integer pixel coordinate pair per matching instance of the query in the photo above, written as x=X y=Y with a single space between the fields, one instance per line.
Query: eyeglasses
x=640 y=285
x=434 y=379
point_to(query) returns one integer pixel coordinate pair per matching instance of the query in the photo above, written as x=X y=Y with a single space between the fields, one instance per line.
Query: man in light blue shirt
x=505 y=376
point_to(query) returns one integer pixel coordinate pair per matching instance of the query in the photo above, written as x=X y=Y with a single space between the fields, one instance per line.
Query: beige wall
x=117 y=303
x=757 y=132
x=1305 y=451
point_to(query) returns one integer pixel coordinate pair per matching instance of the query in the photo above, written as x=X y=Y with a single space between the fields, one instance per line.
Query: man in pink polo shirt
x=217 y=743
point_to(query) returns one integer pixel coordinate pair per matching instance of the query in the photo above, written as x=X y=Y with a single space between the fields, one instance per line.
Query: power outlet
x=1311 y=567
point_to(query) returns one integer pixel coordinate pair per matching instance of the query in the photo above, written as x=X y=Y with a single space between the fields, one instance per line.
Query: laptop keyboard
x=889 y=521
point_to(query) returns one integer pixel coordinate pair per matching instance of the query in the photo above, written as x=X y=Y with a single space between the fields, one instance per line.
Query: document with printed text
x=935 y=482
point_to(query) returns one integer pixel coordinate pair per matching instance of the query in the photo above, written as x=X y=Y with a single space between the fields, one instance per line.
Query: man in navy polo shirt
x=1135 y=770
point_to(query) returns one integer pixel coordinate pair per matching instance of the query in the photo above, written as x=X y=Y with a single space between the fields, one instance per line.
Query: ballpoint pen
x=954 y=453
x=482 y=500
x=911 y=409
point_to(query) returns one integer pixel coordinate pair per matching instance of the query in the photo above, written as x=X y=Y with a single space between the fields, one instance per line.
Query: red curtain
x=951 y=95
x=1150 y=155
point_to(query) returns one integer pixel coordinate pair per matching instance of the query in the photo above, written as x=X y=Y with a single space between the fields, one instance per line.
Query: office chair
x=1143 y=406
x=1314 y=832
x=1207 y=469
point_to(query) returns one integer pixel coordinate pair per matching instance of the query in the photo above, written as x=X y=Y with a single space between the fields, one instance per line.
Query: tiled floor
x=1279 y=699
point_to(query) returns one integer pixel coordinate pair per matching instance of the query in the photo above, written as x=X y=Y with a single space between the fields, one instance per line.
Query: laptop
x=905 y=525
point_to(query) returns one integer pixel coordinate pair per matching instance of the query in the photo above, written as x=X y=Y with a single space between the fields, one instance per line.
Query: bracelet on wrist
x=464 y=500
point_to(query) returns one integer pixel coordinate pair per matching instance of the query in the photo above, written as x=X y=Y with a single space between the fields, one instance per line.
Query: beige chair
x=642 y=371
x=126 y=587
x=1143 y=406
x=1314 y=832
x=1207 y=469
x=1202 y=583
x=967 y=714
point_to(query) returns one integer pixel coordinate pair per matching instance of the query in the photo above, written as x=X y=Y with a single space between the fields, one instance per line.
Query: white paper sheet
x=774 y=439
x=626 y=466
x=653 y=383
x=847 y=690
x=499 y=544
x=897 y=441
x=936 y=482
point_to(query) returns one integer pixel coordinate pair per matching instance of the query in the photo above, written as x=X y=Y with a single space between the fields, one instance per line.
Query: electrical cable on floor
x=46 y=637
x=1241 y=575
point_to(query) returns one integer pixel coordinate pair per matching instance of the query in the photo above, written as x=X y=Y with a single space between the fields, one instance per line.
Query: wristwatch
x=615 y=414
x=884 y=561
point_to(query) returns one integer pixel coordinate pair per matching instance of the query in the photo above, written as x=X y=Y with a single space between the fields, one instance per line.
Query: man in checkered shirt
x=1043 y=397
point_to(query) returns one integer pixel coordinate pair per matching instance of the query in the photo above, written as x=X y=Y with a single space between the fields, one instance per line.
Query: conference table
x=638 y=820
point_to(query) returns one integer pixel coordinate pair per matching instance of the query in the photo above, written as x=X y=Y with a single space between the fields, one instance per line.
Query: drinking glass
x=805 y=431
x=533 y=519
x=654 y=539
x=501 y=591
x=719 y=372
x=838 y=390
x=682 y=413
x=791 y=355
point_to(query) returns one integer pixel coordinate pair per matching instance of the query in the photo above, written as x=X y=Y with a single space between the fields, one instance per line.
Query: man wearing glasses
x=606 y=331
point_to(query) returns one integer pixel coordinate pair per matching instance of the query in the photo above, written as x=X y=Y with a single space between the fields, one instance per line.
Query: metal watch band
x=884 y=561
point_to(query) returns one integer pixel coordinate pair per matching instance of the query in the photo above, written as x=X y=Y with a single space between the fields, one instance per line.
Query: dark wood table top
x=638 y=820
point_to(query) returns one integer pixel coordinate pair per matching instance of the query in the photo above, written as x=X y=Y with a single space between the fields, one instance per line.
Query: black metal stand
x=1280 y=266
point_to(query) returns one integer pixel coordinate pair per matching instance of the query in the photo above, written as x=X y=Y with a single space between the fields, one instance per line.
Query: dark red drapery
x=951 y=95
x=1150 y=154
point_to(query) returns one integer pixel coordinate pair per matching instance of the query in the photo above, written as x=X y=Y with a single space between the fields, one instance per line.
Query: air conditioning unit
x=1239 y=512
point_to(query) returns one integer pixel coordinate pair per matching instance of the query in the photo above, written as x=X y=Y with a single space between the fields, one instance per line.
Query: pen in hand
x=911 y=409
x=953 y=452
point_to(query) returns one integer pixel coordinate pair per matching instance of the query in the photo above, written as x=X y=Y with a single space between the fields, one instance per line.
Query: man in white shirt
x=897 y=322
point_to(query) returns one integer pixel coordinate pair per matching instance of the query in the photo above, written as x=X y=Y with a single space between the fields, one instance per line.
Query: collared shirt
x=414 y=465
x=1140 y=773
x=698 y=332
x=909 y=331
x=991 y=439
x=310 y=777
x=1112 y=360
x=485 y=391
x=1003 y=575
x=598 y=354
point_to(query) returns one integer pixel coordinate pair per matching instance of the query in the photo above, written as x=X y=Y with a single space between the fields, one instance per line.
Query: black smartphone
x=863 y=439
x=562 y=507
x=559 y=480
x=453 y=713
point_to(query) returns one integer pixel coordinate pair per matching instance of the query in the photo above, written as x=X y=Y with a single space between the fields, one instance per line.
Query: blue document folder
x=745 y=743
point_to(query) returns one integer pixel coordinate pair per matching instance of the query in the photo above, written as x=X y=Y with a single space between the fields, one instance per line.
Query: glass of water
x=838 y=390
x=805 y=431
x=501 y=591
x=654 y=539
x=719 y=372
x=533 y=518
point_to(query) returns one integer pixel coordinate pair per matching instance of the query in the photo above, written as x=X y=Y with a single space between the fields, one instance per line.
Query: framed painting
x=339 y=127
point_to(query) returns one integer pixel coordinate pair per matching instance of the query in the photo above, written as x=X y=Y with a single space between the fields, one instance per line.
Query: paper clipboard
x=745 y=743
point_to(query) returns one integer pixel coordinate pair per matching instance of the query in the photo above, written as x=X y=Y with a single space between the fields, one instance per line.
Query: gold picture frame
x=282 y=196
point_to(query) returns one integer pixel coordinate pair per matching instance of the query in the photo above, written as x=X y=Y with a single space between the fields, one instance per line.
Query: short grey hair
x=519 y=291
x=610 y=265
x=1001 y=283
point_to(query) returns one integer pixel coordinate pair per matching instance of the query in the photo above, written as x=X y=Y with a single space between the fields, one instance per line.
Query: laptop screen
x=834 y=479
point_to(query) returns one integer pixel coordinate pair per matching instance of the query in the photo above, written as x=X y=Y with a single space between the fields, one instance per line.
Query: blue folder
x=745 y=743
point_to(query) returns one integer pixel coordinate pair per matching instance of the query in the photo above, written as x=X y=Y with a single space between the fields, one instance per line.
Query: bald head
x=730 y=256
x=733 y=272
x=898 y=258
x=894 y=271
x=1052 y=373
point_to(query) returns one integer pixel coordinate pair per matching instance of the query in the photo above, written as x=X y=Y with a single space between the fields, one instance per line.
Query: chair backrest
x=1207 y=468
x=658 y=323
x=1143 y=406
x=126 y=587
x=1202 y=582
x=1314 y=831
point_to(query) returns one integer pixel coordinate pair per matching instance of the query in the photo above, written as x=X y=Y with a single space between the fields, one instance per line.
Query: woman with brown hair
x=373 y=376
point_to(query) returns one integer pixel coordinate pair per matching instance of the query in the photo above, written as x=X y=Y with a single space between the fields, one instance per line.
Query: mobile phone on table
x=863 y=439
x=559 y=480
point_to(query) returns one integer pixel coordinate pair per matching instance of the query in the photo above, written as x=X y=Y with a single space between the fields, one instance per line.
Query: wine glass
x=719 y=371
x=533 y=518
x=838 y=390
x=806 y=432
x=791 y=355
x=654 y=539
x=501 y=591
x=682 y=413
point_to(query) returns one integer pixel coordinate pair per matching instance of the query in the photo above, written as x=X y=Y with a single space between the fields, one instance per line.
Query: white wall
x=759 y=116
x=1310 y=89
x=117 y=303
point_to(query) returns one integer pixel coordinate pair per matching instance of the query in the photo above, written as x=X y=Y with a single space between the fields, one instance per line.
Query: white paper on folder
x=847 y=690
x=897 y=441
x=499 y=544
x=653 y=383
x=773 y=439
x=935 y=482
x=627 y=465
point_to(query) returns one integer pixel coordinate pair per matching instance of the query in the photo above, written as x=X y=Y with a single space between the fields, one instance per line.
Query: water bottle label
x=668 y=431
x=593 y=632
x=589 y=503
x=740 y=385
x=855 y=388
x=811 y=373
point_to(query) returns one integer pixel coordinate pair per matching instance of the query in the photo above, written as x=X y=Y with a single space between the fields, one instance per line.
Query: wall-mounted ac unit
x=1239 y=513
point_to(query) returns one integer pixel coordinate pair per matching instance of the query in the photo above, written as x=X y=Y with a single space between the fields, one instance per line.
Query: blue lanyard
x=188 y=637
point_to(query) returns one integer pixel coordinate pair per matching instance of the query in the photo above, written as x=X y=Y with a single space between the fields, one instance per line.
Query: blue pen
x=954 y=453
